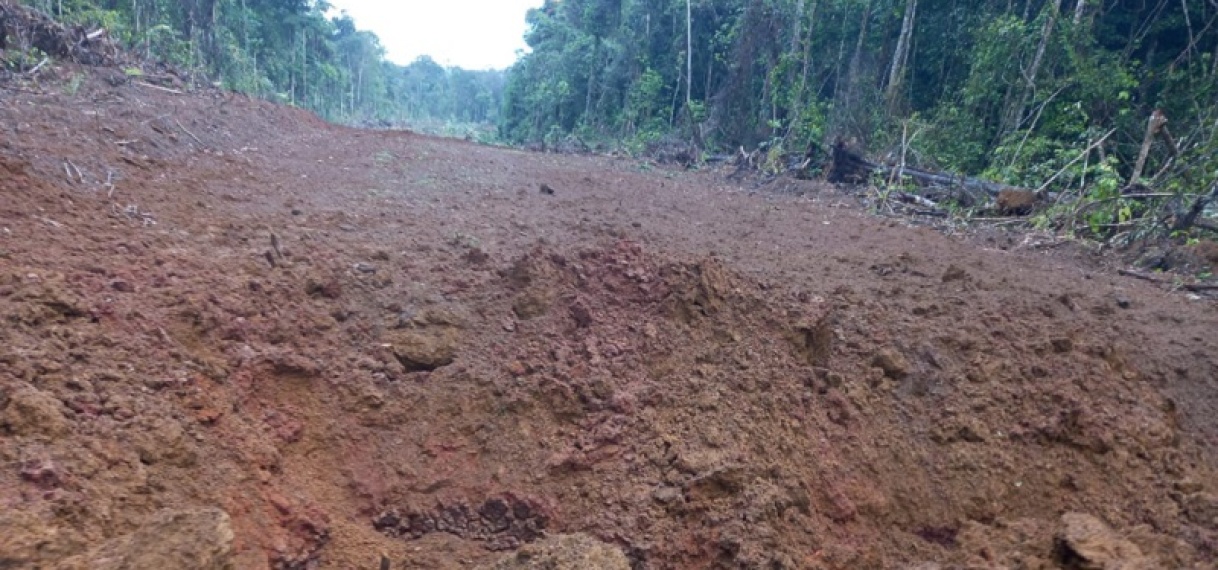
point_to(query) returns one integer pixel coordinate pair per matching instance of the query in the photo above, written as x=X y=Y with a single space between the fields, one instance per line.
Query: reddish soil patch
x=362 y=343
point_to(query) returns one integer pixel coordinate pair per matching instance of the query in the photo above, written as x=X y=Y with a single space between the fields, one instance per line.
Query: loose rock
x=893 y=363
x=425 y=349
x=1086 y=543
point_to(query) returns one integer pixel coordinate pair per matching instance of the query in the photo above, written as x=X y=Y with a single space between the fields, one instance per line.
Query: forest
x=1111 y=104
x=299 y=52
x=1052 y=95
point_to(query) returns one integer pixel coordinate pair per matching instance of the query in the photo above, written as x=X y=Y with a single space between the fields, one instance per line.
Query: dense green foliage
x=1017 y=90
x=295 y=51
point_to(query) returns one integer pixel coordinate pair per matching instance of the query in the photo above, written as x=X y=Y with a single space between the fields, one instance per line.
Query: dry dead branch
x=34 y=71
x=187 y=131
x=158 y=87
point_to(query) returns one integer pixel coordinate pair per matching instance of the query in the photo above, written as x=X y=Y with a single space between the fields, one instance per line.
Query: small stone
x=517 y=368
x=122 y=286
x=666 y=495
x=364 y=268
x=1123 y=302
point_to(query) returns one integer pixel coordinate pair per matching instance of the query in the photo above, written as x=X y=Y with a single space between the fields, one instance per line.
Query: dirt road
x=358 y=344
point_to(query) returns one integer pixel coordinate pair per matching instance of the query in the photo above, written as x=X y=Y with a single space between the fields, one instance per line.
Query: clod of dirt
x=26 y=538
x=893 y=363
x=329 y=289
x=533 y=275
x=531 y=305
x=186 y=540
x=564 y=552
x=165 y=441
x=954 y=273
x=425 y=349
x=814 y=339
x=547 y=190
x=1201 y=508
x=476 y=257
x=1086 y=543
x=31 y=411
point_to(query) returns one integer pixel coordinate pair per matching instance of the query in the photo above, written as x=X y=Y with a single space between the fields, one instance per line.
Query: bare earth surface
x=235 y=336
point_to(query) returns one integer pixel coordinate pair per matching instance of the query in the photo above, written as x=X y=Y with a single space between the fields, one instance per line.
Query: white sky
x=474 y=34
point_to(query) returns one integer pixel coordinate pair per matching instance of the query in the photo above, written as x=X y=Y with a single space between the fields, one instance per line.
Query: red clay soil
x=360 y=344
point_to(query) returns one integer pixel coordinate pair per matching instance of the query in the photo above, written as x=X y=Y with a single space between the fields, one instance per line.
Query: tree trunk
x=689 y=52
x=839 y=81
x=797 y=27
x=1015 y=117
x=1156 y=122
x=899 y=58
x=805 y=41
x=807 y=58
x=856 y=60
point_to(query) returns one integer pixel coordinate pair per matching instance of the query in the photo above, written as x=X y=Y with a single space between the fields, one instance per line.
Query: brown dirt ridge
x=234 y=336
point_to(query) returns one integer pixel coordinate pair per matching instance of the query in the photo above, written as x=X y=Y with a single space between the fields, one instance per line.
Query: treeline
x=294 y=51
x=1025 y=91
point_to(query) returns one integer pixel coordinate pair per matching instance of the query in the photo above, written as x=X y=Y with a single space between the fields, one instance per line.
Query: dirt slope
x=374 y=344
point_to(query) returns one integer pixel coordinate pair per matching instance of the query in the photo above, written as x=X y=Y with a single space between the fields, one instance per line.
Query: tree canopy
x=296 y=51
x=1017 y=90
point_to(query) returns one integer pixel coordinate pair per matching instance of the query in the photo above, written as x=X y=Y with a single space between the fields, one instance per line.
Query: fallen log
x=1193 y=287
x=849 y=166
